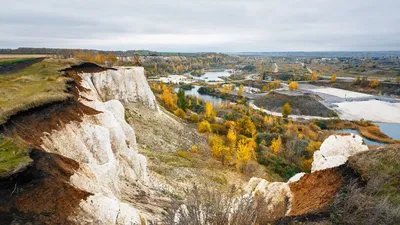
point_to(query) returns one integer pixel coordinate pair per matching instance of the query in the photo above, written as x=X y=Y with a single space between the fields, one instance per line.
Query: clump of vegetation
x=286 y=110
x=212 y=206
x=293 y=86
x=333 y=78
x=14 y=155
x=375 y=199
x=180 y=113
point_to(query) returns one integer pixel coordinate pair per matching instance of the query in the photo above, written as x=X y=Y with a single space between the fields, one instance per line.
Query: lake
x=214 y=76
x=208 y=98
x=367 y=141
x=390 y=129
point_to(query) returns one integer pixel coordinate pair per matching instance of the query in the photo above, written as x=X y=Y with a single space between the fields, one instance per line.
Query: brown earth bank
x=14 y=67
x=315 y=192
x=41 y=194
x=365 y=190
x=300 y=105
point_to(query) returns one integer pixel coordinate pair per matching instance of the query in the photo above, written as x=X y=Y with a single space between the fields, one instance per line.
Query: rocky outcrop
x=104 y=145
x=314 y=192
x=127 y=84
x=335 y=151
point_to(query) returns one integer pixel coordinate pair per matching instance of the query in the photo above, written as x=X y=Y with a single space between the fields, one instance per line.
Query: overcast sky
x=202 y=25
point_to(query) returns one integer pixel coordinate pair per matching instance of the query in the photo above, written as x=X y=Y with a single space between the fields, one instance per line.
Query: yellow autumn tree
x=231 y=137
x=276 y=145
x=246 y=126
x=314 y=77
x=219 y=150
x=180 y=113
x=268 y=120
x=245 y=151
x=204 y=127
x=209 y=112
x=333 y=78
x=293 y=86
x=240 y=91
x=374 y=83
x=286 y=110
x=168 y=98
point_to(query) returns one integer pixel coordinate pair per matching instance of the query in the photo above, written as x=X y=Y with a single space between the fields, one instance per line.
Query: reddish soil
x=315 y=192
x=42 y=193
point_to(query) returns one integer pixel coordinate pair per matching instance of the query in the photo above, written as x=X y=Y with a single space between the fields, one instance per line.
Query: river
x=194 y=92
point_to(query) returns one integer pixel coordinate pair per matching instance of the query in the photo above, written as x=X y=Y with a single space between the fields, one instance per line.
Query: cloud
x=203 y=25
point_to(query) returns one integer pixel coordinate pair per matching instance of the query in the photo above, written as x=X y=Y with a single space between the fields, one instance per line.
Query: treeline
x=67 y=52
x=196 y=65
x=70 y=52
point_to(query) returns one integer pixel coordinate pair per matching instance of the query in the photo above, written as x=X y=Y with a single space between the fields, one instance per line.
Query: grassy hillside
x=36 y=85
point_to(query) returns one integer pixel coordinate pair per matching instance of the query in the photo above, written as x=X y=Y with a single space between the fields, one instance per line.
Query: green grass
x=8 y=62
x=14 y=155
x=36 y=85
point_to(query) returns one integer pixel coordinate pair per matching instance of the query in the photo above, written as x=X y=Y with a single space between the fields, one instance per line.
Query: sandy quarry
x=374 y=110
x=340 y=93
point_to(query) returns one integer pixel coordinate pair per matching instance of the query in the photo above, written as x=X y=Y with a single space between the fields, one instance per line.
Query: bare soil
x=300 y=105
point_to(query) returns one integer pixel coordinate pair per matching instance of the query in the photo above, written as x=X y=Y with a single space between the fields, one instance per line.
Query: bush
x=204 y=127
x=219 y=129
x=212 y=206
x=180 y=113
x=194 y=118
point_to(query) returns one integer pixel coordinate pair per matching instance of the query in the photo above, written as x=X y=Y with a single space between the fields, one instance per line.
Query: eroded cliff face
x=104 y=145
x=87 y=169
x=314 y=192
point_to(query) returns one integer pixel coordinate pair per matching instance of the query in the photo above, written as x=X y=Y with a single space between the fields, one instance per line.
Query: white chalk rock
x=105 y=146
x=296 y=177
x=127 y=84
x=335 y=151
x=276 y=195
x=98 y=209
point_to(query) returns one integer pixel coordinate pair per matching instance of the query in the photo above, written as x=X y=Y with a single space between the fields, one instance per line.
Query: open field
x=36 y=85
x=5 y=57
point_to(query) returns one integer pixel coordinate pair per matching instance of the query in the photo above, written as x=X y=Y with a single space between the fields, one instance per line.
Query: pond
x=214 y=76
x=390 y=129
x=208 y=98
x=367 y=141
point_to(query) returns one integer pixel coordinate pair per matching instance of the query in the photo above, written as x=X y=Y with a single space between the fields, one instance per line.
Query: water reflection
x=194 y=92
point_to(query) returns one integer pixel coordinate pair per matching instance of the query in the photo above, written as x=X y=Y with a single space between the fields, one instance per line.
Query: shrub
x=204 y=127
x=180 y=113
x=293 y=86
x=286 y=110
x=194 y=118
x=374 y=83
x=212 y=206
x=218 y=129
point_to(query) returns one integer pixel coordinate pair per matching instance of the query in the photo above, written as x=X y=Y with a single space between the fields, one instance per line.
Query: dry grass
x=213 y=206
x=36 y=85
x=375 y=199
